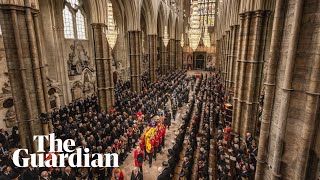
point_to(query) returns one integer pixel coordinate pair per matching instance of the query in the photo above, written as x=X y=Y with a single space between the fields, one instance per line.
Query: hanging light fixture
x=182 y=40
x=112 y=37
x=165 y=37
x=195 y=31
x=206 y=38
x=112 y=31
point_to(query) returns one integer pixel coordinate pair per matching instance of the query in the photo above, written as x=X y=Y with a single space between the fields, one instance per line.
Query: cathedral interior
x=230 y=87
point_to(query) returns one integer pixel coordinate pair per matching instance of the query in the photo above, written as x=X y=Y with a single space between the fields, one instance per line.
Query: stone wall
x=4 y=86
x=307 y=48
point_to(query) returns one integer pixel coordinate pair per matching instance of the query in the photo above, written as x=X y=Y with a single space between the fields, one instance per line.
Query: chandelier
x=206 y=38
x=165 y=37
x=182 y=40
x=112 y=37
x=195 y=31
x=112 y=30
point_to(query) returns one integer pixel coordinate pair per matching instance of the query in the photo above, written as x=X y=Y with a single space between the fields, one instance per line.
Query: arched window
x=74 y=20
x=81 y=30
x=0 y=31
x=68 y=23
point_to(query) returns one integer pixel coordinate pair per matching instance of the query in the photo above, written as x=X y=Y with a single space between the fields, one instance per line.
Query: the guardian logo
x=56 y=157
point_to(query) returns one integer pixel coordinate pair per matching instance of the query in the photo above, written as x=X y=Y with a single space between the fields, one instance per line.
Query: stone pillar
x=152 y=43
x=26 y=70
x=233 y=59
x=103 y=67
x=100 y=55
x=179 y=63
x=135 y=47
x=218 y=58
x=223 y=51
x=254 y=63
x=250 y=68
x=227 y=60
x=163 y=58
x=109 y=84
x=243 y=41
x=172 y=55
x=270 y=90
x=288 y=89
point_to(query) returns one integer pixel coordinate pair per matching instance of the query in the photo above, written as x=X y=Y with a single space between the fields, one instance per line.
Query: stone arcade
x=239 y=79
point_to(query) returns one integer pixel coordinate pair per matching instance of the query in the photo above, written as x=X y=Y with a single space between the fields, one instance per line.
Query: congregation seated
x=116 y=131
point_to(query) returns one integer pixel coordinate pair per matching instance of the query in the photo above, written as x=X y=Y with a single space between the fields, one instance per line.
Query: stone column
x=172 y=55
x=100 y=56
x=102 y=53
x=227 y=59
x=152 y=43
x=243 y=40
x=164 y=54
x=254 y=63
x=26 y=70
x=135 y=47
x=178 y=54
x=223 y=72
x=287 y=89
x=218 y=58
x=233 y=59
x=108 y=78
x=270 y=90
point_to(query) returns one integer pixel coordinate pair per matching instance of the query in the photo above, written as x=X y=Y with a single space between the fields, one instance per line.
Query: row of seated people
x=167 y=170
x=192 y=143
x=236 y=157
x=205 y=136
x=203 y=161
x=169 y=166
x=101 y=132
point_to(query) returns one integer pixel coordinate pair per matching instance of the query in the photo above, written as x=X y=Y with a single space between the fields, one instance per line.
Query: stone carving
x=78 y=59
x=10 y=117
x=88 y=84
x=54 y=99
x=77 y=90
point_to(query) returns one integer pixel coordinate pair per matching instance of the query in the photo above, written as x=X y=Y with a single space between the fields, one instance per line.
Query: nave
x=111 y=75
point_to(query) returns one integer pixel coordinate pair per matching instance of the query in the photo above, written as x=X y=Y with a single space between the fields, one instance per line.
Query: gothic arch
x=148 y=12
x=171 y=25
x=160 y=20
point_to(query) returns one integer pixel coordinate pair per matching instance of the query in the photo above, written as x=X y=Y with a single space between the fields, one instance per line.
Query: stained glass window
x=206 y=11
x=68 y=23
x=80 y=21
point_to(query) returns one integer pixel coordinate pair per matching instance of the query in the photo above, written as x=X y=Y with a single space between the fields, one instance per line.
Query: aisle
x=152 y=173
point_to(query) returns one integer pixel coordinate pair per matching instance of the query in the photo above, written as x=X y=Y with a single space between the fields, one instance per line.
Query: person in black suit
x=6 y=173
x=166 y=173
x=30 y=173
x=136 y=174
x=67 y=175
x=44 y=175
